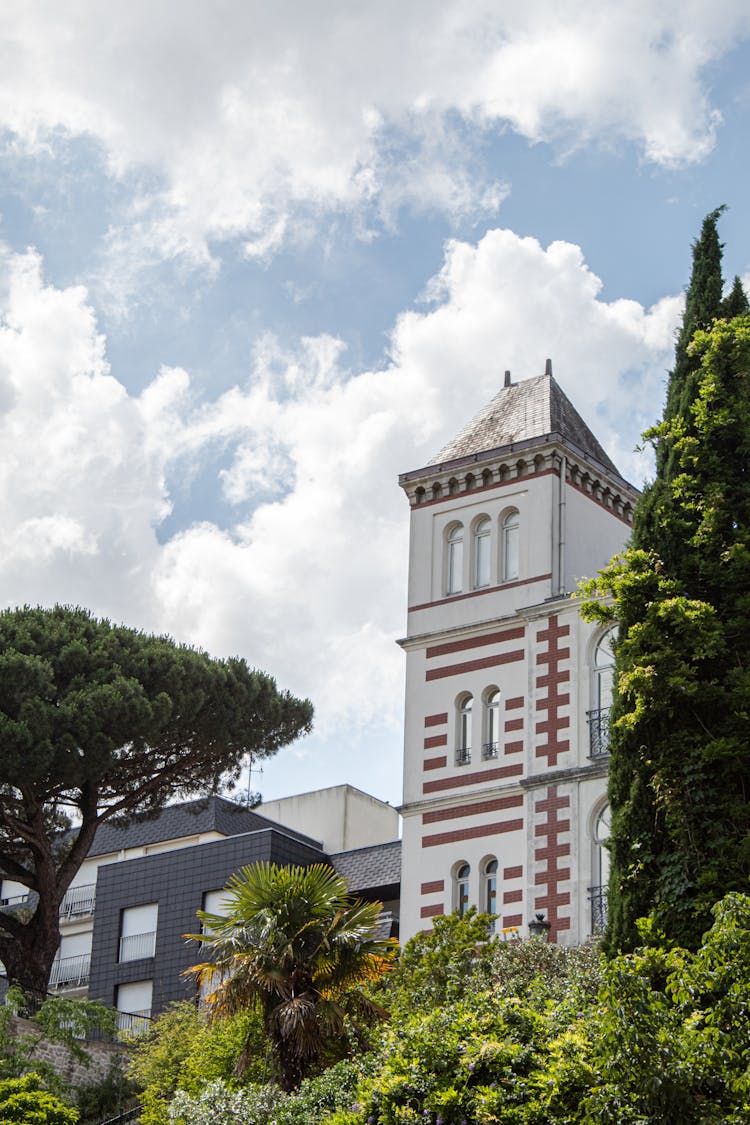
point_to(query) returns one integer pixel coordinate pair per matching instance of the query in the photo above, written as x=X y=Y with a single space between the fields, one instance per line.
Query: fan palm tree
x=294 y=944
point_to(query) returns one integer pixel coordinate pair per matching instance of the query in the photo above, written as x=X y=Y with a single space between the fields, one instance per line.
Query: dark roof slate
x=367 y=868
x=521 y=411
x=208 y=814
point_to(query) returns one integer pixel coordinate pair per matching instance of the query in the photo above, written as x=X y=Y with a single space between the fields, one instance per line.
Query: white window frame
x=510 y=550
x=454 y=559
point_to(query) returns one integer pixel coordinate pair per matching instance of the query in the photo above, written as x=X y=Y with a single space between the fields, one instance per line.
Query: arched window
x=600 y=871
x=454 y=560
x=462 y=889
x=491 y=744
x=490 y=888
x=482 y=544
x=463 y=730
x=598 y=716
x=509 y=546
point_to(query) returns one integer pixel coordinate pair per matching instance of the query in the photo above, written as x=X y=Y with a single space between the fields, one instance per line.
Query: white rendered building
x=507 y=689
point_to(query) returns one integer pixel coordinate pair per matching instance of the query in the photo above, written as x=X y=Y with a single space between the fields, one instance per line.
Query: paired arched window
x=509 y=546
x=491 y=744
x=482 y=552
x=461 y=889
x=463 y=730
x=602 y=826
x=454 y=568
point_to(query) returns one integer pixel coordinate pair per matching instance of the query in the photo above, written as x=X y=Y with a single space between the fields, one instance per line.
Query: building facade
x=124 y=918
x=507 y=688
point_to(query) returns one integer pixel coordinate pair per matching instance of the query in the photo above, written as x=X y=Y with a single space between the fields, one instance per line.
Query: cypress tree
x=679 y=781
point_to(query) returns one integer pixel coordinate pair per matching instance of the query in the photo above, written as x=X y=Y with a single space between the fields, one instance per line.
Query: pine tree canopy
x=98 y=720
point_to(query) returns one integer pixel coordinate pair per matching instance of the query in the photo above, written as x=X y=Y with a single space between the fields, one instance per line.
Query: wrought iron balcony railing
x=598 y=733
x=12 y=901
x=70 y=972
x=598 y=898
x=78 y=901
x=463 y=756
x=489 y=751
x=137 y=946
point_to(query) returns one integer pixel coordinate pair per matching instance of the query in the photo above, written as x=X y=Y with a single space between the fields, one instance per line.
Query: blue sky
x=259 y=259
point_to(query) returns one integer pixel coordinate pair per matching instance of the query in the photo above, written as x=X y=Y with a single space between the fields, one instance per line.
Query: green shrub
x=24 y=1101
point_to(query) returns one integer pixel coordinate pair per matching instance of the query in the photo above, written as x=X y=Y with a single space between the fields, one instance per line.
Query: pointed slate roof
x=532 y=408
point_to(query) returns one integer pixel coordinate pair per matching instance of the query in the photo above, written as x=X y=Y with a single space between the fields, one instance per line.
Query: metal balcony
x=13 y=901
x=463 y=756
x=78 y=901
x=70 y=972
x=598 y=733
x=137 y=946
x=490 y=750
x=598 y=898
x=134 y=1023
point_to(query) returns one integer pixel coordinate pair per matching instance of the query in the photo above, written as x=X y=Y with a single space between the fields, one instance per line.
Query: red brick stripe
x=471 y=833
x=431 y=911
x=512 y=873
x=463 y=779
x=475 y=665
x=513 y=747
x=436 y=740
x=470 y=810
x=552 y=680
x=512 y=920
x=476 y=642
x=513 y=724
x=436 y=720
x=479 y=593
x=512 y=896
x=433 y=887
x=514 y=704
x=553 y=850
x=435 y=763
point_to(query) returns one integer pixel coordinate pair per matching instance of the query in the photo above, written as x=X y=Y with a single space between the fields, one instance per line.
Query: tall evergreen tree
x=680 y=764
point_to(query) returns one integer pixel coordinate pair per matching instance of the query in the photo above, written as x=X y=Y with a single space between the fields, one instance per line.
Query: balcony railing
x=12 y=901
x=134 y=1023
x=490 y=750
x=598 y=897
x=137 y=946
x=463 y=755
x=78 y=901
x=70 y=972
x=598 y=733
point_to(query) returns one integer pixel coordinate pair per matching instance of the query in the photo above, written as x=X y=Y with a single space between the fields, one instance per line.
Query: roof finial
x=548 y=367
x=507 y=379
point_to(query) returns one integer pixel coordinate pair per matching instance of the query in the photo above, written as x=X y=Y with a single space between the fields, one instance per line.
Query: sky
x=258 y=259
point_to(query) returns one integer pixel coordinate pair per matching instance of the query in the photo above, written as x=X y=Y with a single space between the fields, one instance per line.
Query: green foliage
x=104 y=1097
x=184 y=1050
x=24 y=1101
x=98 y=720
x=679 y=771
x=295 y=946
x=219 y=1104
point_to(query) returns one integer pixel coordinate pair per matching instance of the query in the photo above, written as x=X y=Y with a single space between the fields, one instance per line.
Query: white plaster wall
x=340 y=818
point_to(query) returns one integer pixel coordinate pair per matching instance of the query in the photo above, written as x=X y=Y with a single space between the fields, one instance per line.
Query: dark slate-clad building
x=125 y=918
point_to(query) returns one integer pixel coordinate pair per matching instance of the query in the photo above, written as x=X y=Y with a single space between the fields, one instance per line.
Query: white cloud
x=309 y=581
x=249 y=120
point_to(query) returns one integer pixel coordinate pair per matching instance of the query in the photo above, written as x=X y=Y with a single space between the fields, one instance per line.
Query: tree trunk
x=28 y=955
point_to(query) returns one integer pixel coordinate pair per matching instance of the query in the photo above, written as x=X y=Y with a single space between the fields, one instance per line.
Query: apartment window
x=509 y=546
x=600 y=871
x=138 y=931
x=462 y=888
x=72 y=963
x=482 y=550
x=455 y=559
x=463 y=730
x=598 y=716
x=491 y=744
x=133 y=1005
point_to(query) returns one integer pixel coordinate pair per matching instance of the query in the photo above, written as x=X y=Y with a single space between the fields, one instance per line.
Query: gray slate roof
x=529 y=409
x=208 y=814
x=369 y=868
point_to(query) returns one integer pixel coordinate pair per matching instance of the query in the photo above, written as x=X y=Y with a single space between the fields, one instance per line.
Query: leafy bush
x=219 y=1104
x=24 y=1101
x=104 y=1097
